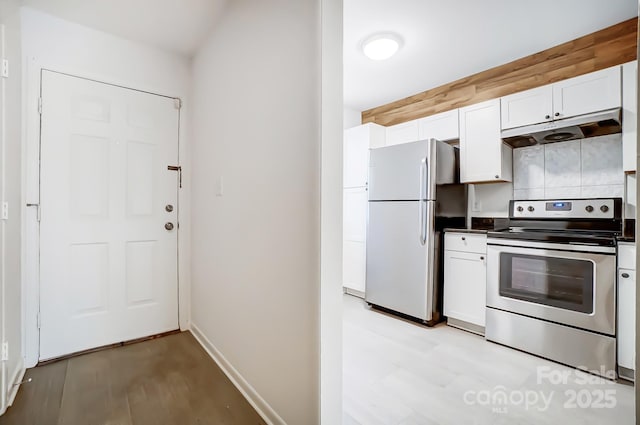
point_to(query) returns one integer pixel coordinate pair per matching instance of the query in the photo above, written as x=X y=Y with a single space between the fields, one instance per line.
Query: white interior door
x=108 y=267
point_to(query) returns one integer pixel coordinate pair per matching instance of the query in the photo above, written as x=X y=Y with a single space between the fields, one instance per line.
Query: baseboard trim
x=14 y=383
x=354 y=292
x=257 y=402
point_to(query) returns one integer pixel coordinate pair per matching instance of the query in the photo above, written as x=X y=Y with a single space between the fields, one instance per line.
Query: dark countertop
x=450 y=229
x=627 y=239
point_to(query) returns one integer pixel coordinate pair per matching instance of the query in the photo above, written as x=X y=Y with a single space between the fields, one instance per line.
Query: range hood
x=580 y=127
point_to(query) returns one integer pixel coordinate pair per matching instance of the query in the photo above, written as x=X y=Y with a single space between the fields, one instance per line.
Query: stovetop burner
x=573 y=221
x=575 y=237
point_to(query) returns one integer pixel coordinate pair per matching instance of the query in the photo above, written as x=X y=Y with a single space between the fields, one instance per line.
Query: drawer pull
x=482 y=258
x=625 y=275
x=464 y=239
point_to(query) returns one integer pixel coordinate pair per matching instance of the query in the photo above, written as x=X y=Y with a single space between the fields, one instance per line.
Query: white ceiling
x=443 y=40
x=448 y=40
x=175 y=25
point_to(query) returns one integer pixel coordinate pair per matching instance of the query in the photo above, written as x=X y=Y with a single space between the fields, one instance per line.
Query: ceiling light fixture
x=381 y=46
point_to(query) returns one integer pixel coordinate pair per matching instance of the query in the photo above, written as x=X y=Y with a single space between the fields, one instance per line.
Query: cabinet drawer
x=466 y=242
x=627 y=256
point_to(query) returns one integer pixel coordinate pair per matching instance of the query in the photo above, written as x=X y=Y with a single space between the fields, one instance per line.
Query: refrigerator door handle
x=422 y=201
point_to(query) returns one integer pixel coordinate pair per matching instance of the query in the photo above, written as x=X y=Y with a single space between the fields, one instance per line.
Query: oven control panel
x=565 y=208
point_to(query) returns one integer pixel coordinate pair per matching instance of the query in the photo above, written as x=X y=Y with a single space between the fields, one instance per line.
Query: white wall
x=489 y=200
x=10 y=177
x=351 y=118
x=586 y=168
x=256 y=254
x=55 y=44
x=331 y=215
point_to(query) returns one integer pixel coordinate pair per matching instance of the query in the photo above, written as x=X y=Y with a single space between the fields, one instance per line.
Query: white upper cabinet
x=597 y=91
x=587 y=93
x=357 y=141
x=483 y=155
x=629 y=115
x=528 y=107
x=403 y=133
x=443 y=126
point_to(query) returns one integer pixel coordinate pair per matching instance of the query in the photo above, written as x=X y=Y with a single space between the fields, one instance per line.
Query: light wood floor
x=400 y=373
x=165 y=381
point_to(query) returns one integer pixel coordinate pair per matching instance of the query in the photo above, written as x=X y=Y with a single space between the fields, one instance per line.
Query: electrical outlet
x=5 y=211
x=477 y=206
x=5 y=68
x=5 y=351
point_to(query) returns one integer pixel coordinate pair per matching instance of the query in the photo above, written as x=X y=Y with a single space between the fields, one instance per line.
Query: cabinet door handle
x=482 y=258
x=557 y=114
x=464 y=239
x=625 y=275
x=546 y=117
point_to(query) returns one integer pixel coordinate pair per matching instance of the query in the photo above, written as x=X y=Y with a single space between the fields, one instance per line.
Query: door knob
x=169 y=208
x=168 y=226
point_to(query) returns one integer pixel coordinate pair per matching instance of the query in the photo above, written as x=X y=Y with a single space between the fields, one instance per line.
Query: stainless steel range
x=551 y=281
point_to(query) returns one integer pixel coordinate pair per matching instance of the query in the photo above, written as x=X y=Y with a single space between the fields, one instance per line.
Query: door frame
x=31 y=195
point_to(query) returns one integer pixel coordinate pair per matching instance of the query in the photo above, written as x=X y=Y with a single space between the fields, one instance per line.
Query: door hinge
x=5 y=351
x=177 y=103
x=40 y=105
x=5 y=68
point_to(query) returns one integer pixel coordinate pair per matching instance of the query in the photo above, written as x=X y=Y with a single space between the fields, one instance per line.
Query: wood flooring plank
x=89 y=395
x=399 y=373
x=38 y=402
x=165 y=381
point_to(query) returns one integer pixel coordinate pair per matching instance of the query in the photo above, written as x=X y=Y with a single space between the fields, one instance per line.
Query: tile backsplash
x=587 y=168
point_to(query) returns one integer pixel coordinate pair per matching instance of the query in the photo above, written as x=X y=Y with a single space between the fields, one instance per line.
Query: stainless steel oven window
x=558 y=282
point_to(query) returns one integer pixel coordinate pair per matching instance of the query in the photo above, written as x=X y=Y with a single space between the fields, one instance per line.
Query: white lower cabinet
x=353 y=270
x=465 y=280
x=626 y=310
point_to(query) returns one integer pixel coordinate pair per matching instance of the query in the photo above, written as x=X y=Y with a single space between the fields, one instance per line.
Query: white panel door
x=108 y=268
x=356 y=157
x=482 y=156
x=527 y=107
x=465 y=286
x=403 y=133
x=354 y=266
x=587 y=93
x=443 y=126
x=354 y=219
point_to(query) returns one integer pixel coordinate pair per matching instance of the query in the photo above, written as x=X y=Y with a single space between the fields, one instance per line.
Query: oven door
x=566 y=287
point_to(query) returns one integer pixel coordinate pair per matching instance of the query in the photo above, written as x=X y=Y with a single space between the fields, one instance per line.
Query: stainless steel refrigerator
x=412 y=187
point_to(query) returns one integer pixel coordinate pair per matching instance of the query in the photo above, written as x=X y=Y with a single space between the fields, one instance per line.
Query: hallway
x=169 y=380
